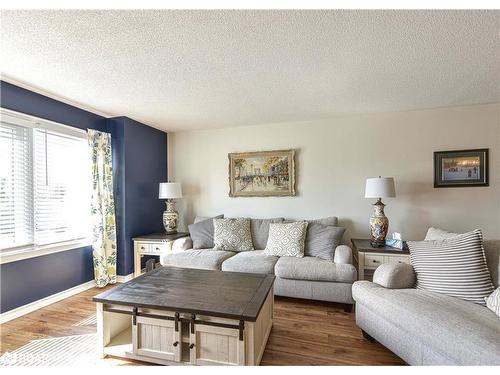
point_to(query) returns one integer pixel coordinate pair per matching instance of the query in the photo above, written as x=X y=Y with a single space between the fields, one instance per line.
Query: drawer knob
x=176 y=343
x=191 y=346
x=142 y=247
x=374 y=261
x=158 y=248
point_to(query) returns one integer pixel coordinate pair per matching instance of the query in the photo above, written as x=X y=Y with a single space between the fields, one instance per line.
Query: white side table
x=153 y=244
x=368 y=258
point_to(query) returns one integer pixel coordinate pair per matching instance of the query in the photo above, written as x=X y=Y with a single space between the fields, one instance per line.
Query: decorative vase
x=379 y=224
x=170 y=217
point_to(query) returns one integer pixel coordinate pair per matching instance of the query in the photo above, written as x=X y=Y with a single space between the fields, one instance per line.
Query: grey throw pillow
x=260 y=231
x=202 y=233
x=331 y=220
x=321 y=240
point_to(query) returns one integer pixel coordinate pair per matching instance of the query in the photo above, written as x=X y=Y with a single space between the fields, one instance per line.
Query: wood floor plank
x=304 y=332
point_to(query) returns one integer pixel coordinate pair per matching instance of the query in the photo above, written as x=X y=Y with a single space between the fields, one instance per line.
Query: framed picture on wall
x=461 y=168
x=262 y=174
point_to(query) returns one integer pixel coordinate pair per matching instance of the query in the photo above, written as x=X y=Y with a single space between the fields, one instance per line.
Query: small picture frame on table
x=461 y=168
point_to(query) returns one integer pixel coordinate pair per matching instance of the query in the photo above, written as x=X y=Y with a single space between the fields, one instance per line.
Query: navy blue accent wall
x=31 y=103
x=145 y=168
x=31 y=279
x=139 y=164
x=138 y=171
x=117 y=130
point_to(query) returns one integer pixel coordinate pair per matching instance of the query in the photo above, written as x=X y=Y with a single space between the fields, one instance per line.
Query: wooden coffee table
x=187 y=316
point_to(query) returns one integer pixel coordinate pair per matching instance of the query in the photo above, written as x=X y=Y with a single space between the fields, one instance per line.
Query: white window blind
x=61 y=182
x=44 y=184
x=16 y=194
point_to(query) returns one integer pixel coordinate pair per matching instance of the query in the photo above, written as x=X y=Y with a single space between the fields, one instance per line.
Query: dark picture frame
x=461 y=168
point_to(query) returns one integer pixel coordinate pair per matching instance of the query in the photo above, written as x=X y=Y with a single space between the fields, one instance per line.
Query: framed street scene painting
x=262 y=174
x=461 y=168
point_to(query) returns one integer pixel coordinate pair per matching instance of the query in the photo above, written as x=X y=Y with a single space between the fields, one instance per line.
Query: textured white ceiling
x=179 y=70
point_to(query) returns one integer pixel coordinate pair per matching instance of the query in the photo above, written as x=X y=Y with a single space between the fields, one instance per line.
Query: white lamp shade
x=380 y=187
x=170 y=190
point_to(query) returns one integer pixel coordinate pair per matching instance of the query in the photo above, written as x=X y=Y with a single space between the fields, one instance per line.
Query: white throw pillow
x=493 y=301
x=438 y=234
x=286 y=239
x=232 y=234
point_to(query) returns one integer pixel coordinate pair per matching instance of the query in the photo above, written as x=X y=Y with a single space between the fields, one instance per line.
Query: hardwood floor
x=304 y=332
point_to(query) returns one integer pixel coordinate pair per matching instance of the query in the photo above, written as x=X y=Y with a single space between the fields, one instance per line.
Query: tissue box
x=397 y=244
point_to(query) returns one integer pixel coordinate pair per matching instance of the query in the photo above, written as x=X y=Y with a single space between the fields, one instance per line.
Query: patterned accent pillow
x=286 y=239
x=493 y=301
x=454 y=266
x=232 y=234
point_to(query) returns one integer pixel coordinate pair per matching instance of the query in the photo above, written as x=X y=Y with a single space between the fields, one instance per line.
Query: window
x=44 y=182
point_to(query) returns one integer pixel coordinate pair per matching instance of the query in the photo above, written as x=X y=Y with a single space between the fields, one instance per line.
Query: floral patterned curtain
x=103 y=208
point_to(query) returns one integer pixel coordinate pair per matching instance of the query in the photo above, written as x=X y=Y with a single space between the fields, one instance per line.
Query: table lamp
x=379 y=187
x=170 y=191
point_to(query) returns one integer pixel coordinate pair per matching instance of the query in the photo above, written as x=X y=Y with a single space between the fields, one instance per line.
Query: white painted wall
x=335 y=156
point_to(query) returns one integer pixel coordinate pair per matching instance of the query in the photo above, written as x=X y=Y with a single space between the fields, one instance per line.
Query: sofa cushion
x=251 y=262
x=232 y=234
x=206 y=259
x=454 y=266
x=314 y=269
x=321 y=240
x=466 y=332
x=260 y=231
x=287 y=239
x=202 y=233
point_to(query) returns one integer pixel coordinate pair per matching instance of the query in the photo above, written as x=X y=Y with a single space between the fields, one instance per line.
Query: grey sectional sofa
x=308 y=277
x=427 y=328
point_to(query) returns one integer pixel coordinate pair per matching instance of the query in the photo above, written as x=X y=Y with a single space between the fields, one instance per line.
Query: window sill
x=26 y=252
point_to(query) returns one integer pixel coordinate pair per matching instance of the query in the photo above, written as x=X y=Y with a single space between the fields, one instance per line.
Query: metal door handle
x=191 y=346
x=176 y=343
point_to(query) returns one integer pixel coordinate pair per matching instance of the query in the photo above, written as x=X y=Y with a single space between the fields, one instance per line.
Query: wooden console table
x=187 y=316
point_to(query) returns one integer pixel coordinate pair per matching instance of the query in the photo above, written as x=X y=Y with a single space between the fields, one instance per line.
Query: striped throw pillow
x=455 y=266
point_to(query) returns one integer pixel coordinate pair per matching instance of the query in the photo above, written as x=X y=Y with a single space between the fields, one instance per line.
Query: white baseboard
x=124 y=279
x=30 y=307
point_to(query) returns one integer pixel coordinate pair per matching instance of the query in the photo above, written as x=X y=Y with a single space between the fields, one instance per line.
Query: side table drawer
x=153 y=248
x=158 y=248
x=398 y=259
x=142 y=247
x=373 y=261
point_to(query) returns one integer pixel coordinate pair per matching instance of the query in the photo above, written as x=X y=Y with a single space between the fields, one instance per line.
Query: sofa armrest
x=182 y=244
x=342 y=255
x=395 y=276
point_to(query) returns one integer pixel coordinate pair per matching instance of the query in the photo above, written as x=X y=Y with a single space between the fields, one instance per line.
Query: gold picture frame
x=262 y=174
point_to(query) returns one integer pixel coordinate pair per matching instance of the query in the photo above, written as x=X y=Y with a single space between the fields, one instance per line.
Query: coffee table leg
x=100 y=330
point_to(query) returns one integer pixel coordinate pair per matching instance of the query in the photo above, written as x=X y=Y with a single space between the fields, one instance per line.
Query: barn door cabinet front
x=157 y=338
x=211 y=345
